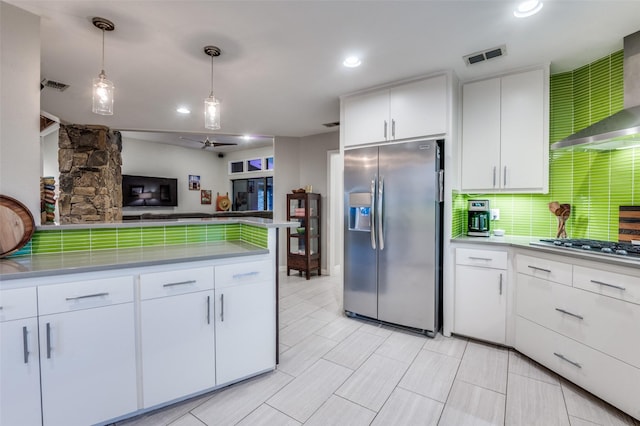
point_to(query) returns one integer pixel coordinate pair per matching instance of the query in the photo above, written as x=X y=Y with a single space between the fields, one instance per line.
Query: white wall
x=20 y=106
x=285 y=178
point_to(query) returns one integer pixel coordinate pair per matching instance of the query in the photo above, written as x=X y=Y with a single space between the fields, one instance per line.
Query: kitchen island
x=103 y=334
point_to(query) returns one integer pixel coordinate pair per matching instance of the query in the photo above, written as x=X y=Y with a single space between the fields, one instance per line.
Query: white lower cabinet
x=481 y=294
x=19 y=363
x=88 y=365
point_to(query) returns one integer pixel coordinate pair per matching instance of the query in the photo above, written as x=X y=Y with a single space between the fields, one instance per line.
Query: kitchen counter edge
x=254 y=221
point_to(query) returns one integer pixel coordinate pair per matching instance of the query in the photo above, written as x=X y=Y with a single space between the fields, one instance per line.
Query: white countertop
x=254 y=221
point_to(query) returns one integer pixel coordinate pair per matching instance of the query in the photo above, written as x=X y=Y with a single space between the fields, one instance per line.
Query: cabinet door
x=522 y=136
x=245 y=331
x=366 y=118
x=177 y=344
x=20 y=372
x=481 y=135
x=88 y=365
x=481 y=303
x=419 y=108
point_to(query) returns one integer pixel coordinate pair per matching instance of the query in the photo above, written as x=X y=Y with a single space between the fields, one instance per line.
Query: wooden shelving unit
x=303 y=243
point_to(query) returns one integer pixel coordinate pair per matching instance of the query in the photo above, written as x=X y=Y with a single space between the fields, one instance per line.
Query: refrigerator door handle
x=373 y=213
x=380 y=212
x=441 y=185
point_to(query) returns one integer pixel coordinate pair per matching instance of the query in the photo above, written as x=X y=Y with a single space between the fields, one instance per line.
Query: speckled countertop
x=43 y=265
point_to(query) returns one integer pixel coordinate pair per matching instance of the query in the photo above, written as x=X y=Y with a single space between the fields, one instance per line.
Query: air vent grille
x=332 y=124
x=56 y=85
x=485 y=55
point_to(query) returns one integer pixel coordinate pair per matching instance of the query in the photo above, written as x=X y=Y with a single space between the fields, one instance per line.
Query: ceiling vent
x=332 y=124
x=60 y=87
x=485 y=55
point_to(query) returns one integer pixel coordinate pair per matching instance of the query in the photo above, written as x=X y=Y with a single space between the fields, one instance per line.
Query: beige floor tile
x=230 y=405
x=585 y=406
x=187 y=420
x=485 y=366
x=305 y=354
x=305 y=394
x=401 y=346
x=340 y=412
x=575 y=421
x=431 y=375
x=339 y=329
x=164 y=416
x=298 y=330
x=471 y=405
x=520 y=364
x=325 y=315
x=373 y=382
x=354 y=350
x=377 y=329
x=408 y=408
x=452 y=346
x=324 y=298
x=265 y=415
x=290 y=301
x=296 y=312
x=283 y=348
x=531 y=402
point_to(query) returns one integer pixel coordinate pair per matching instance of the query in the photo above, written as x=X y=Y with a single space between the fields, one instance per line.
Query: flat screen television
x=147 y=191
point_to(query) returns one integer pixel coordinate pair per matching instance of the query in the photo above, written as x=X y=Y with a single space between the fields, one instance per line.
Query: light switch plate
x=495 y=214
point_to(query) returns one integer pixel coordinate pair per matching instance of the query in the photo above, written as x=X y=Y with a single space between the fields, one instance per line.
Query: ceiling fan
x=206 y=143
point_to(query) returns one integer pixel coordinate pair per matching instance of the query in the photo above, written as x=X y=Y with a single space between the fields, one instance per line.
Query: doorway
x=335 y=212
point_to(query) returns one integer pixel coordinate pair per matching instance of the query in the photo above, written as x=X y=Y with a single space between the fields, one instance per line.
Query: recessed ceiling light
x=183 y=110
x=527 y=8
x=352 y=62
x=247 y=137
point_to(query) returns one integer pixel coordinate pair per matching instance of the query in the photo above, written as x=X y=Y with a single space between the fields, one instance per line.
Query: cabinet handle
x=381 y=213
x=48 y=340
x=385 y=129
x=500 y=284
x=87 y=296
x=562 y=357
x=245 y=274
x=570 y=313
x=504 y=177
x=372 y=222
x=180 y=283
x=535 y=268
x=222 y=308
x=208 y=309
x=488 y=259
x=393 y=128
x=494 y=176
x=25 y=345
x=609 y=285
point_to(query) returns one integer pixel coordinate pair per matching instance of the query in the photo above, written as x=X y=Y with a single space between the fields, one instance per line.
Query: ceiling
x=280 y=72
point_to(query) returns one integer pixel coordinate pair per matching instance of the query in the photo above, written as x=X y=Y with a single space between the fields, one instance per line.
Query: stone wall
x=90 y=164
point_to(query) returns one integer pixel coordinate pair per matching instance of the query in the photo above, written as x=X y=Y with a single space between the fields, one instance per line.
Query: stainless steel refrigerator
x=392 y=266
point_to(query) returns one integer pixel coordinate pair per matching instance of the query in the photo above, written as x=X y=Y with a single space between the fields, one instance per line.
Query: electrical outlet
x=495 y=214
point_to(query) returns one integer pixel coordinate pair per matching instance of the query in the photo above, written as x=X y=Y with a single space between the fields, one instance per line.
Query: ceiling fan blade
x=204 y=146
x=223 y=143
x=189 y=139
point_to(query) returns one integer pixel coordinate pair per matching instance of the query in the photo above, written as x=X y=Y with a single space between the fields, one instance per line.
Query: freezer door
x=360 y=256
x=408 y=234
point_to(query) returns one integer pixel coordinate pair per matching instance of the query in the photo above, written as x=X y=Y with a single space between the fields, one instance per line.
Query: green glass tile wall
x=66 y=240
x=594 y=183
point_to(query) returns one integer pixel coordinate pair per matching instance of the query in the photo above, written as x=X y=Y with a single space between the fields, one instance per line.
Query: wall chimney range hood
x=622 y=129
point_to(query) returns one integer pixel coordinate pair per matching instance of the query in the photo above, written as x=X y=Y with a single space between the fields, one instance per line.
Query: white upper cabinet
x=505 y=134
x=409 y=110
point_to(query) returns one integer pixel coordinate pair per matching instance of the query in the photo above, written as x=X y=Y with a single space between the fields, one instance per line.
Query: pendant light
x=103 y=88
x=211 y=104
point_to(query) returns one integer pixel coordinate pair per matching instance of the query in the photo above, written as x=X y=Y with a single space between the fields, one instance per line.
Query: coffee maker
x=479 y=215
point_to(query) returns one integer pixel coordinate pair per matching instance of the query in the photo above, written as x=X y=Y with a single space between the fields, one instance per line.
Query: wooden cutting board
x=629 y=223
x=16 y=225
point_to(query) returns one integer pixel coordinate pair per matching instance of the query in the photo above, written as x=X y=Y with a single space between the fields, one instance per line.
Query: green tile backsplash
x=594 y=183
x=67 y=240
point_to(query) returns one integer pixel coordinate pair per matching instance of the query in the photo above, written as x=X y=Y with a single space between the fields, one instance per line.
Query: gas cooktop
x=593 y=246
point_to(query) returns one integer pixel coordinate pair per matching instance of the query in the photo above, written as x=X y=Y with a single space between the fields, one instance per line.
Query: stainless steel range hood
x=622 y=129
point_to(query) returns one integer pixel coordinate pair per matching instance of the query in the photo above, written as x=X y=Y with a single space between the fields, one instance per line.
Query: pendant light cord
x=211 y=94
x=102 y=75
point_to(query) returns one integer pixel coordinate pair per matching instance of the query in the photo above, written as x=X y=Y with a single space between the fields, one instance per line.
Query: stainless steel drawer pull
x=87 y=296
x=246 y=274
x=562 y=357
x=48 y=340
x=25 y=345
x=535 y=268
x=393 y=128
x=500 y=284
x=494 y=176
x=505 y=177
x=222 y=308
x=569 y=313
x=179 y=283
x=208 y=309
x=488 y=259
x=385 y=129
x=608 y=285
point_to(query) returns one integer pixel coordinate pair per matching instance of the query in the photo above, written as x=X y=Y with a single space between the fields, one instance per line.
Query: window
x=254 y=165
x=269 y=163
x=236 y=167
x=253 y=194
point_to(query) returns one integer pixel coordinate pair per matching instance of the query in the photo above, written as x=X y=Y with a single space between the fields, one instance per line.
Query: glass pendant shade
x=211 y=113
x=102 y=95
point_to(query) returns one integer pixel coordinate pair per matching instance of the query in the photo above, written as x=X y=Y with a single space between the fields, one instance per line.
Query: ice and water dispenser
x=360 y=211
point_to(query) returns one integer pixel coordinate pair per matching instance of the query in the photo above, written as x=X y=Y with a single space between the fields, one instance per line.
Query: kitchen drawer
x=606 y=324
x=546 y=269
x=610 y=379
x=484 y=258
x=18 y=303
x=243 y=273
x=179 y=281
x=85 y=294
x=623 y=287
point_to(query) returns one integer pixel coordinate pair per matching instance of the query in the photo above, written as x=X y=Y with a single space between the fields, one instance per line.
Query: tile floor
x=339 y=371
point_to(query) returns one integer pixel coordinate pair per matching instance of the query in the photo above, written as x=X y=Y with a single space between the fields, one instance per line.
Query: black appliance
x=479 y=215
